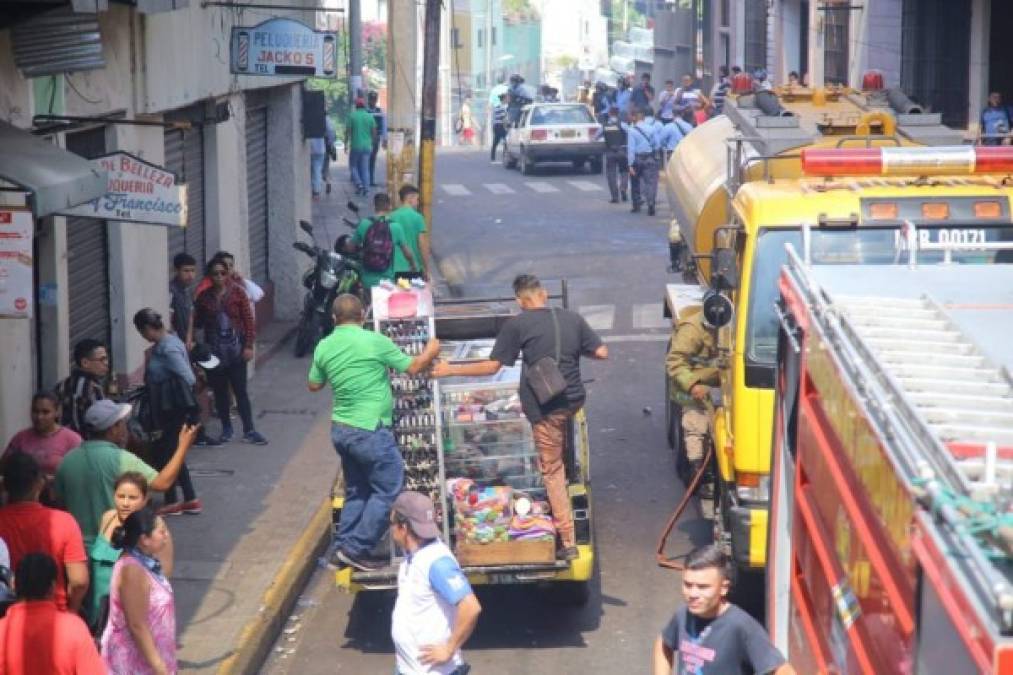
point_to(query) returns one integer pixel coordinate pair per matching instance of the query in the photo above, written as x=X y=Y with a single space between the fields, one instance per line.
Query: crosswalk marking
x=499 y=188
x=649 y=316
x=456 y=189
x=599 y=317
x=540 y=186
x=585 y=185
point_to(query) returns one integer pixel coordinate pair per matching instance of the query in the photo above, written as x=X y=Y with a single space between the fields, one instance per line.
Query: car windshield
x=846 y=247
x=573 y=114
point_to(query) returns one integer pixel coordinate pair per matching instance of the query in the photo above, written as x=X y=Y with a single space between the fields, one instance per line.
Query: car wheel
x=596 y=165
x=509 y=161
x=527 y=166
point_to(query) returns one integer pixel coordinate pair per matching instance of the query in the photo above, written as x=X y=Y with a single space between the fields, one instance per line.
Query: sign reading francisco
x=283 y=47
x=138 y=192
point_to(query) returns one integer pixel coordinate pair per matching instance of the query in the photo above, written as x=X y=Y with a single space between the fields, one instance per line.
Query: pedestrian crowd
x=85 y=547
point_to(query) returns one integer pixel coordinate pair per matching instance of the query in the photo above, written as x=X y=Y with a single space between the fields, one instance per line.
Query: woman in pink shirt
x=46 y=440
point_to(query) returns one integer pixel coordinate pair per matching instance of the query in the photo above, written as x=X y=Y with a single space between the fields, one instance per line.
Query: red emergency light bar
x=939 y=161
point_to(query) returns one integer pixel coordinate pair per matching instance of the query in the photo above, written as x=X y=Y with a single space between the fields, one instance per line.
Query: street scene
x=506 y=336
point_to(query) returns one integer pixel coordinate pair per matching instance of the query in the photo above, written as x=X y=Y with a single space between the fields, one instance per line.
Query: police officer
x=641 y=154
x=670 y=134
x=616 y=169
x=518 y=99
x=692 y=365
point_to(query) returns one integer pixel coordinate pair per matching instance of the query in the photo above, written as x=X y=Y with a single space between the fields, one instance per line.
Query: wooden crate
x=506 y=553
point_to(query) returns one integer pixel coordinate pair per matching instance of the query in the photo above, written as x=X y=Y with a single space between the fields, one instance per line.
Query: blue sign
x=283 y=47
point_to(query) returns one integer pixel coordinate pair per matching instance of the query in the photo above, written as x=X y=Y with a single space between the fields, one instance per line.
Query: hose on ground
x=662 y=559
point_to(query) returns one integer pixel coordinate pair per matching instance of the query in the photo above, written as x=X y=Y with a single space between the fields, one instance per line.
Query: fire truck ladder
x=947 y=412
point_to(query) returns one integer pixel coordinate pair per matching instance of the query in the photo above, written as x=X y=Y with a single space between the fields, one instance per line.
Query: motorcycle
x=333 y=273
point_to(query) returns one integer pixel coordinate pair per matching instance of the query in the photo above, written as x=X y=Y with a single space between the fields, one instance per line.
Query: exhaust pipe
x=901 y=104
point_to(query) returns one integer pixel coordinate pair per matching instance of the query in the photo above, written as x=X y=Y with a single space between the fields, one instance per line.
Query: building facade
x=238 y=145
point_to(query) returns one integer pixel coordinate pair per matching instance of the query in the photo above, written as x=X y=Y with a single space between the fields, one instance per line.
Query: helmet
x=717 y=309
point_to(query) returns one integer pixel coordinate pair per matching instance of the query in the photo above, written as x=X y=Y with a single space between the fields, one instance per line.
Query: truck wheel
x=569 y=593
x=527 y=166
x=596 y=165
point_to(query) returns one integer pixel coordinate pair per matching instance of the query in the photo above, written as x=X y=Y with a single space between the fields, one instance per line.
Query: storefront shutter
x=256 y=192
x=184 y=155
x=88 y=258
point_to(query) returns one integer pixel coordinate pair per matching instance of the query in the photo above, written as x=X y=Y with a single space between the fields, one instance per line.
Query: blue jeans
x=317 y=173
x=358 y=164
x=374 y=473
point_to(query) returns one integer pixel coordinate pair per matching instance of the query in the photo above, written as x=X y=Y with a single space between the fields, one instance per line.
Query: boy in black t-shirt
x=711 y=635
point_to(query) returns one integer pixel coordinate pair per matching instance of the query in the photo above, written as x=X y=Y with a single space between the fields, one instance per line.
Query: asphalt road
x=491 y=224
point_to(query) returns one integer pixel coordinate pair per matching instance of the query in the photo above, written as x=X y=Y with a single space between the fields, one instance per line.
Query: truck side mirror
x=724 y=269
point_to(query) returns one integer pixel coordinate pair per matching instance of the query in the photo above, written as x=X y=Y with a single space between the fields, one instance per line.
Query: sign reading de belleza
x=283 y=47
x=16 y=229
x=138 y=192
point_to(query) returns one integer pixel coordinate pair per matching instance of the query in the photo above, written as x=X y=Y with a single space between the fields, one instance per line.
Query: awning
x=56 y=178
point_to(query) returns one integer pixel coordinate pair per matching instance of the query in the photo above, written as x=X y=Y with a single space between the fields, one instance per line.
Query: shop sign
x=16 y=229
x=138 y=192
x=283 y=47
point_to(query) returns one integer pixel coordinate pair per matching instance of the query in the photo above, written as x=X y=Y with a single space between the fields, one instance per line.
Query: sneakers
x=205 y=441
x=359 y=563
x=171 y=509
x=568 y=553
x=614 y=200
x=193 y=507
x=650 y=210
x=624 y=196
x=254 y=438
x=226 y=436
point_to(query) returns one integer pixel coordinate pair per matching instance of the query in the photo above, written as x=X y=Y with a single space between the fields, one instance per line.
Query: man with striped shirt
x=720 y=91
x=499 y=120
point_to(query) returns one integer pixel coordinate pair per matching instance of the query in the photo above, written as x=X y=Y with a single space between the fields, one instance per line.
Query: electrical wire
x=70 y=83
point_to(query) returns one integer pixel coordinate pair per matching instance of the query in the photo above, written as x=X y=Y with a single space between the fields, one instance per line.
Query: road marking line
x=539 y=186
x=499 y=188
x=585 y=185
x=599 y=317
x=649 y=316
x=639 y=337
x=456 y=189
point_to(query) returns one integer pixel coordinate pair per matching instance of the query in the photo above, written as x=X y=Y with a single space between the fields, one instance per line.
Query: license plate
x=568 y=133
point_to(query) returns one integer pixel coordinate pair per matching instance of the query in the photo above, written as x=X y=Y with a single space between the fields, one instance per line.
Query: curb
x=258 y=635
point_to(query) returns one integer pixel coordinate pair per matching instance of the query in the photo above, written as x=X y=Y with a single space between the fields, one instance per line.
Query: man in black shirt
x=532 y=334
x=84 y=385
x=711 y=635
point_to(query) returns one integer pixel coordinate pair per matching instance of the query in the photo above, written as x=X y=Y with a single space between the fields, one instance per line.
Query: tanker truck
x=846 y=176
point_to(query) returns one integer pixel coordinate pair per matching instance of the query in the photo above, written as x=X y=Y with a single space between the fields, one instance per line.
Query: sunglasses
x=219 y=274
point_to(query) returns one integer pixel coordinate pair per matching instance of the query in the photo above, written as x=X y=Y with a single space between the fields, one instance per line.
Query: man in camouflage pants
x=692 y=369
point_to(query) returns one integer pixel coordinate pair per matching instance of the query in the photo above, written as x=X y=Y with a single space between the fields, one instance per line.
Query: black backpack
x=378 y=246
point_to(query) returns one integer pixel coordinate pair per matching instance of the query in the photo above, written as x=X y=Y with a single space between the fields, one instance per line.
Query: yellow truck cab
x=850 y=177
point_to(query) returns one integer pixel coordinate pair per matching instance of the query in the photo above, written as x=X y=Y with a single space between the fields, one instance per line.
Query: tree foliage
x=374 y=56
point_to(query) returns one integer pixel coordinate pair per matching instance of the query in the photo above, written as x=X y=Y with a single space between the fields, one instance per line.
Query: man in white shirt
x=436 y=610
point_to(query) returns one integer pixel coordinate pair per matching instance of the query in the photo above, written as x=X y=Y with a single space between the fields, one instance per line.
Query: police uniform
x=692 y=360
x=617 y=171
x=641 y=153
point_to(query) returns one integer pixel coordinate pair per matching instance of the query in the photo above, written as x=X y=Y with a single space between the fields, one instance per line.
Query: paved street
x=491 y=224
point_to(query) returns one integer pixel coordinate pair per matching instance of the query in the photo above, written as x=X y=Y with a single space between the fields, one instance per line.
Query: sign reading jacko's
x=283 y=47
x=138 y=192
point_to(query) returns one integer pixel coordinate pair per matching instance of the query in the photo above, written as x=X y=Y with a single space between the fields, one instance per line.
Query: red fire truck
x=891 y=537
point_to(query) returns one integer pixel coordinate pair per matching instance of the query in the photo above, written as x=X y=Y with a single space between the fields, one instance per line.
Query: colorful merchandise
x=481 y=515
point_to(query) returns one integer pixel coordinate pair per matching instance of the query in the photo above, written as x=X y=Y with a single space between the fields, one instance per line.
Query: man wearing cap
x=354 y=361
x=692 y=369
x=436 y=610
x=85 y=477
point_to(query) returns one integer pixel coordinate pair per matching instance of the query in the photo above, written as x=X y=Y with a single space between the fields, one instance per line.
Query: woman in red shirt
x=223 y=312
x=46 y=440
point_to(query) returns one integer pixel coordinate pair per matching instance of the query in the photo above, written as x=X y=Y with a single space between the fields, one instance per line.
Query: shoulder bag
x=544 y=377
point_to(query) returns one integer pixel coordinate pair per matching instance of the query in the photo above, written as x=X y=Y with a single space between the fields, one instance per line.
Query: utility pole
x=354 y=51
x=430 y=91
x=402 y=94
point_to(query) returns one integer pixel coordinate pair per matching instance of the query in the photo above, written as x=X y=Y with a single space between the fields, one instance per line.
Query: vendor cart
x=467 y=444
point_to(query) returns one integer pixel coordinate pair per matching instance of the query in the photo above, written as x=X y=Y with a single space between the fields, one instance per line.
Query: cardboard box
x=506 y=553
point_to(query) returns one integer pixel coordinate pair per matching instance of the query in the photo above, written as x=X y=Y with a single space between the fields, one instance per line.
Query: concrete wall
x=876 y=41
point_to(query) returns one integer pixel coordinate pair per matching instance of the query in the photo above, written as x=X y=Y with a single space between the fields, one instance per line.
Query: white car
x=554 y=132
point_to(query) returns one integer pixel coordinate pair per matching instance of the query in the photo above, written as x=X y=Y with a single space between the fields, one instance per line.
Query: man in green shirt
x=414 y=226
x=402 y=259
x=354 y=361
x=85 y=477
x=359 y=134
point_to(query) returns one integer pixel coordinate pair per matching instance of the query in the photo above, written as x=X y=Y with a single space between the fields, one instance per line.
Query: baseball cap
x=103 y=414
x=420 y=512
x=202 y=356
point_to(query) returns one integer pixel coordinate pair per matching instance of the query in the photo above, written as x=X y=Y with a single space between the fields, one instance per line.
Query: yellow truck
x=850 y=178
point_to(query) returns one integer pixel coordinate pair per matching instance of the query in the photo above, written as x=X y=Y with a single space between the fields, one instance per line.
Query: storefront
x=184 y=156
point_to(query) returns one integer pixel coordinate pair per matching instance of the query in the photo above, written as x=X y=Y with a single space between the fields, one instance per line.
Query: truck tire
x=569 y=593
x=596 y=165
x=527 y=166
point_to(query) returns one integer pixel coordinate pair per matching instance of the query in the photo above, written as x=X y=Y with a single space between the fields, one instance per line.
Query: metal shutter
x=836 y=29
x=184 y=155
x=88 y=259
x=755 y=35
x=256 y=192
x=935 y=53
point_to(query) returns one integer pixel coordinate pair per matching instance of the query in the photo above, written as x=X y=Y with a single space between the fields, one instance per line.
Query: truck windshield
x=866 y=246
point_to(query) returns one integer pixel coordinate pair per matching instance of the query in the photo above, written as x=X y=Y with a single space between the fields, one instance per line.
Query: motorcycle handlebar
x=304 y=247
